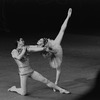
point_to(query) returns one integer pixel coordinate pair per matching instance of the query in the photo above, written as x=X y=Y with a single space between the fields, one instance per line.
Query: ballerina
x=53 y=48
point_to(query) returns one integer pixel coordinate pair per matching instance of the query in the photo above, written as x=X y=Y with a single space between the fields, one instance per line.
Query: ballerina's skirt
x=55 y=62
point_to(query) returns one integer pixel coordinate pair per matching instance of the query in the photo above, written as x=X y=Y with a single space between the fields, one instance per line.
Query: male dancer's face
x=20 y=43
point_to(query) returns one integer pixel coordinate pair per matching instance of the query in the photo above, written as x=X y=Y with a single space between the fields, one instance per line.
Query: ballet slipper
x=64 y=92
x=12 y=88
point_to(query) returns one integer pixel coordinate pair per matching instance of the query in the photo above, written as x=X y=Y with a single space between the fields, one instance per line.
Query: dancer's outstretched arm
x=59 y=37
x=34 y=48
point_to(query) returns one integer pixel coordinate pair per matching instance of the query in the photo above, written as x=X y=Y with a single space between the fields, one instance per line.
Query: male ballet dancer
x=54 y=49
x=21 y=57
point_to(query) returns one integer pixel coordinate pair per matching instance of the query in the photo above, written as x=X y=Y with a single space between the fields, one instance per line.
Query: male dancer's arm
x=16 y=55
x=59 y=37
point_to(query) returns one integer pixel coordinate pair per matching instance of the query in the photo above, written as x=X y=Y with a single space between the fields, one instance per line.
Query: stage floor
x=81 y=63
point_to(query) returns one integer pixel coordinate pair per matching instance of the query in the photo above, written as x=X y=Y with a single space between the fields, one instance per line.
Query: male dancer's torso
x=23 y=64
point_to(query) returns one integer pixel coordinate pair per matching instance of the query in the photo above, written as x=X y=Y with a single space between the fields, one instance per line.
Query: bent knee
x=45 y=80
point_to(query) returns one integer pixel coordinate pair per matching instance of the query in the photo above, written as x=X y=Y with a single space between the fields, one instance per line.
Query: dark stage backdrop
x=44 y=17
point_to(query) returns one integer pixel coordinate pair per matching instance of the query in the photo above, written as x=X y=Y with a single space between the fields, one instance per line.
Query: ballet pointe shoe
x=63 y=91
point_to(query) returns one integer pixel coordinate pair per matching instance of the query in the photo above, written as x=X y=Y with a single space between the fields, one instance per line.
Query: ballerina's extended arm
x=34 y=48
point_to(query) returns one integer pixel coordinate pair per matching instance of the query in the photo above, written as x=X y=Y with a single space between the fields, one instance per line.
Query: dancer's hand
x=46 y=54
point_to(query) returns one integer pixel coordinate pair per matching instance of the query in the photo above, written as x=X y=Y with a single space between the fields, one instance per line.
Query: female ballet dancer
x=53 y=48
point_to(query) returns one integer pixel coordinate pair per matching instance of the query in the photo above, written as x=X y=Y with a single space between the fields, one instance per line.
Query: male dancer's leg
x=37 y=76
x=23 y=84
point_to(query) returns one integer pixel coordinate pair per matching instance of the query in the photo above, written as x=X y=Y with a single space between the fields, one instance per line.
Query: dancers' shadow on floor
x=94 y=92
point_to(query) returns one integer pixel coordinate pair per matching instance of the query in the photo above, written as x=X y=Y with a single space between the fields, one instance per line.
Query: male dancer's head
x=20 y=43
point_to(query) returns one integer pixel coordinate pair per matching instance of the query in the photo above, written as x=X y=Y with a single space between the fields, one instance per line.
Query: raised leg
x=59 y=37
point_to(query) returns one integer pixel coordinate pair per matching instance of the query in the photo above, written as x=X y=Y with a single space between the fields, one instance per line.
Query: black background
x=33 y=19
x=29 y=18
